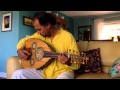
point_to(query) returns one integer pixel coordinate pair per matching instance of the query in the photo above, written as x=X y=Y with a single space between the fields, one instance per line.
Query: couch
x=109 y=52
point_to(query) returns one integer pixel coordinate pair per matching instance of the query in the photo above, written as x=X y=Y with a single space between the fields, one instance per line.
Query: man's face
x=42 y=30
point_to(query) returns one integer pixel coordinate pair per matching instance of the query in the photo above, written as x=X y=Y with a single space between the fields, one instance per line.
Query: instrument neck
x=51 y=54
x=55 y=55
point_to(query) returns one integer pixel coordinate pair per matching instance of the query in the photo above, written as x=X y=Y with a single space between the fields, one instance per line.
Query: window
x=110 y=29
x=106 y=30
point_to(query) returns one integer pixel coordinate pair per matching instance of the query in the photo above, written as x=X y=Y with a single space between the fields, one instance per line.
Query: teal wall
x=8 y=40
x=83 y=21
x=23 y=29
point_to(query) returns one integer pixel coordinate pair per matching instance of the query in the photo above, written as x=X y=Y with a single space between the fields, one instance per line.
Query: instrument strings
x=51 y=54
x=55 y=55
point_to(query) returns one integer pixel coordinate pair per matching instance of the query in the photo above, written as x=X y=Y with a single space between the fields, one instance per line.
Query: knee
x=17 y=74
x=66 y=75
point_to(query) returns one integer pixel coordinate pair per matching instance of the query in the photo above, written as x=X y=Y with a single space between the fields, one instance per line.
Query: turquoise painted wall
x=23 y=29
x=85 y=21
x=82 y=21
x=8 y=40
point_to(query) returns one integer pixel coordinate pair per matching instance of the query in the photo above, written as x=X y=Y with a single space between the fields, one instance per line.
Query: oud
x=42 y=55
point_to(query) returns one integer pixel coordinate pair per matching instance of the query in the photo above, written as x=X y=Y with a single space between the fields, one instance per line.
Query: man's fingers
x=25 y=57
x=26 y=52
x=62 y=58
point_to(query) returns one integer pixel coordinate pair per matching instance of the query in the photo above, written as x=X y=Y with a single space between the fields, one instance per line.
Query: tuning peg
x=74 y=57
x=83 y=62
x=71 y=60
x=81 y=53
x=86 y=58
x=74 y=60
x=78 y=60
x=84 y=54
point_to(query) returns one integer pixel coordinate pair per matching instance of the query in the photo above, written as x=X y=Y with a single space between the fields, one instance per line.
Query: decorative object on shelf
x=7 y=22
x=27 y=21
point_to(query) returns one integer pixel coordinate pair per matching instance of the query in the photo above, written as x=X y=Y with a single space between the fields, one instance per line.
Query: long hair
x=45 y=18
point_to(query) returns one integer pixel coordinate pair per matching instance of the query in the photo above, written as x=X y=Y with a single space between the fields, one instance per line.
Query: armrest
x=13 y=63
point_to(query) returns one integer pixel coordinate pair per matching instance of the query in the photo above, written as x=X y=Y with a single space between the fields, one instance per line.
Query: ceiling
x=87 y=13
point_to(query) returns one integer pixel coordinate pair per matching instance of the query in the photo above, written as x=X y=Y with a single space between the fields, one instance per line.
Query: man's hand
x=64 y=59
x=23 y=54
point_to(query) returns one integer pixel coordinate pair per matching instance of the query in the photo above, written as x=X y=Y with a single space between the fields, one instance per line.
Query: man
x=61 y=40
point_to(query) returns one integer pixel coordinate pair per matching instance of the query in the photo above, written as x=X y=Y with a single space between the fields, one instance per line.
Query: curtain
x=98 y=27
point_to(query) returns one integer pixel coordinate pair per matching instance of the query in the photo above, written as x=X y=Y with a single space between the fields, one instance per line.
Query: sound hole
x=39 y=53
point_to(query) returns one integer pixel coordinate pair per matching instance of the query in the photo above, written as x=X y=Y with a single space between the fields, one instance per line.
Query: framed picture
x=7 y=22
x=27 y=21
x=84 y=33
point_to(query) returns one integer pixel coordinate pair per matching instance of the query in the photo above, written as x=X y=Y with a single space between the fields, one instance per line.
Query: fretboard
x=55 y=55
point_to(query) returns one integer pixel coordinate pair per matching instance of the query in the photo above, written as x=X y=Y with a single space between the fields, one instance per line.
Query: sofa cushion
x=83 y=45
x=114 y=70
x=94 y=62
x=109 y=50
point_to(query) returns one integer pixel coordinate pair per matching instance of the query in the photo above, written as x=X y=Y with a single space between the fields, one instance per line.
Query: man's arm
x=24 y=54
x=72 y=47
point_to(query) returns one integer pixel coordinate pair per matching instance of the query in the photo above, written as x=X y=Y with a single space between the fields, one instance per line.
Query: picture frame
x=84 y=33
x=7 y=22
x=27 y=21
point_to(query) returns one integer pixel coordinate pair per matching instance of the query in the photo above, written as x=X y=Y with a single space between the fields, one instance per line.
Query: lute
x=42 y=55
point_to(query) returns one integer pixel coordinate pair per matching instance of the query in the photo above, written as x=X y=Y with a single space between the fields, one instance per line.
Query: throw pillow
x=93 y=64
x=114 y=70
